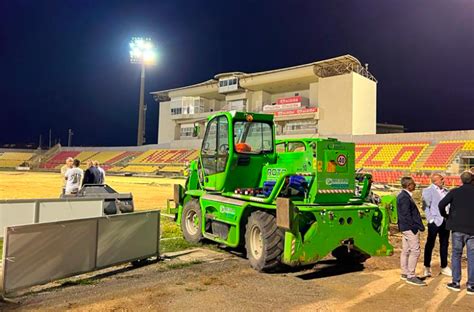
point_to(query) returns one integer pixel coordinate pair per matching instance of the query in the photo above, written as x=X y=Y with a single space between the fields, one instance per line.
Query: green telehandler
x=289 y=202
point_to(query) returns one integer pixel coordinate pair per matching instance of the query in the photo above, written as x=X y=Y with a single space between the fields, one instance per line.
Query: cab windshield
x=253 y=137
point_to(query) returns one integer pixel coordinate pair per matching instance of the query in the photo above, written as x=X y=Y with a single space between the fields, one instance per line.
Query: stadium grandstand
x=387 y=161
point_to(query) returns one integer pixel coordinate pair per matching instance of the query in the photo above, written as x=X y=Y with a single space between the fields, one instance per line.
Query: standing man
x=101 y=170
x=436 y=224
x=91 y=175
x=73 y=178
x=409 y=223
x=460 y=221
x=64 y=168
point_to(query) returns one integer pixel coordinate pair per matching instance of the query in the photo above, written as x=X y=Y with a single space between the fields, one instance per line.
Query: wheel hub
x=192 y=222
x=256 y=242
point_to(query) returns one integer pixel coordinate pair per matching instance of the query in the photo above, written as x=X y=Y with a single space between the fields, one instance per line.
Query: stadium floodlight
x=142 y=51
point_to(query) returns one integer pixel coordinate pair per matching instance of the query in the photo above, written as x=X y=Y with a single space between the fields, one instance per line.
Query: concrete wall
x=313 y=94
x=40 y=253
x=335 y=105
x=166 y=127
x=347 y=105
x=364 y=105
x=259 y=99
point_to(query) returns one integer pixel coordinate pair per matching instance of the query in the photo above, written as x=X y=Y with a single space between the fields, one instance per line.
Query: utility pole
x=69 y=137
x=50 y=138
x=141 y=110
x=40 y=141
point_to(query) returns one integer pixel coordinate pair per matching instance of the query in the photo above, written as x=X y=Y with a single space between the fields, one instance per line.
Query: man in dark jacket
x=409 y=223
x=460 y=220
x=91 y=175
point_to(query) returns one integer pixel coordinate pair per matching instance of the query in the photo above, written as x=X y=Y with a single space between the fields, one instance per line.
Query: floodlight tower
x=142 y=52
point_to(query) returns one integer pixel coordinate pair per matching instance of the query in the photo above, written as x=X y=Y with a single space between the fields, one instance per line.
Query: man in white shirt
x=73 y=178
x=436 y=224
x=64 y=168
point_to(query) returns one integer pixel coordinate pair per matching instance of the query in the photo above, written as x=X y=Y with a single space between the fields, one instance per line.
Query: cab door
x=215 y=154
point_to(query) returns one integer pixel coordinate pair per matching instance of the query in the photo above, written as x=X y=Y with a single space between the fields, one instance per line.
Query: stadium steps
x=423 y=157
x=117 y=163
x=53 y=151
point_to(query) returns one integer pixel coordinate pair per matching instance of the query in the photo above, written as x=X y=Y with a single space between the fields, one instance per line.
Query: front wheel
x=263 y=242
x=191 y=221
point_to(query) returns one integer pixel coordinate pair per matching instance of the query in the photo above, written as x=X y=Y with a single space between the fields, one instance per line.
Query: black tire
x=343 y=256
x=191 y=221
x=263 y=242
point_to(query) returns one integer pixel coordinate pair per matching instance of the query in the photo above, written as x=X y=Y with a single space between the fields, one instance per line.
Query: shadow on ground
x=328 y=268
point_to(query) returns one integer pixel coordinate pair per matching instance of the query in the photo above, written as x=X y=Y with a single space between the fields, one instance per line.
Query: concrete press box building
x=325 y=98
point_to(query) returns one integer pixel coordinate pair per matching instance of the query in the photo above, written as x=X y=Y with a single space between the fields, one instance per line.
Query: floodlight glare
x=142 y=51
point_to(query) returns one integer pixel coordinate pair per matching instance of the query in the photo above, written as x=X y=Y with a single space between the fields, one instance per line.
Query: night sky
x=65 y=64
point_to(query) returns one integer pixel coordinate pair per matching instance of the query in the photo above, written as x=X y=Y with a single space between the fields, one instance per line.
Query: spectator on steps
x=73 y=178
x=101 y=170
x=409 y=223
x=91 y=175
x=64 y=168
x=460 y=220
x=436 y=224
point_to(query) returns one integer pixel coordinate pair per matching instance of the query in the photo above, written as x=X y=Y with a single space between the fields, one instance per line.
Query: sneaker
x=470 y=290
x=416 y=281
x=427 y=272
x=454 y=286
x=446 y=271
x=403 y=277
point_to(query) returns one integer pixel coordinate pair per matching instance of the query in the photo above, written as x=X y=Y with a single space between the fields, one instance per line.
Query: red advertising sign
x=288 y=100
x=296 y=111
x=278 y=107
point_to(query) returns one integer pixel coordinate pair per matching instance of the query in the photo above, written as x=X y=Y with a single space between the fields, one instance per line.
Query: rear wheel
x=263 y=242
x=191 y=221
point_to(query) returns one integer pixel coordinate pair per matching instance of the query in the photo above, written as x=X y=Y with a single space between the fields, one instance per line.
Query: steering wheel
x=223 y=148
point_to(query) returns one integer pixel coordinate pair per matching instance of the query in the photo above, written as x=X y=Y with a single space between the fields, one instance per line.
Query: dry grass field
x=148 y=193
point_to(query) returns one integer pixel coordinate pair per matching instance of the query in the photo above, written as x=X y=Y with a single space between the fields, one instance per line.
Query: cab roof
x=235 y=115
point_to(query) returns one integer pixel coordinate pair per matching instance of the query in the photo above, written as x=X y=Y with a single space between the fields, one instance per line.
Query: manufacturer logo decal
x=275 y=172
x=337 y=183
x=341 y=160
x=226 y=210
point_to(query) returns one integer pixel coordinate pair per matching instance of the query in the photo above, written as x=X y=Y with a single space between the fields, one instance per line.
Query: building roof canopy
x=273 y=81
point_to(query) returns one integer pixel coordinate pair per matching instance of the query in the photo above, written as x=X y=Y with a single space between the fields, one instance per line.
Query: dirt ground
x=213 y=279
x=209 y=280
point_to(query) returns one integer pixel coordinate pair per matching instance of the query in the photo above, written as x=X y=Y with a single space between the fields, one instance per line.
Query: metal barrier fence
x=28 y=211
x=40 y=253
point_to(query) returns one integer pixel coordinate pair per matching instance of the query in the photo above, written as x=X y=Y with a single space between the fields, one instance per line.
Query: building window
x=187 y=105
x=228 y=85
x=301 y=125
